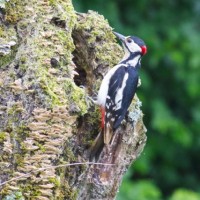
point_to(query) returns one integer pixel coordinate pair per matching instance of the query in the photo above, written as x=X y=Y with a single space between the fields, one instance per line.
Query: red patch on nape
x=144 y=50
x=102 y=117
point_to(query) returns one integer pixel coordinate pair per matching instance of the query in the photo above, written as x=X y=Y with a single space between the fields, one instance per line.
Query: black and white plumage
x=119 y=85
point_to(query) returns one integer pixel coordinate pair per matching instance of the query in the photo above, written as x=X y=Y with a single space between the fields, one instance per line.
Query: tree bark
x=51 y=60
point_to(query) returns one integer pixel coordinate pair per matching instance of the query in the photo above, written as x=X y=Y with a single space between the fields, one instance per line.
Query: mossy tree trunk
x=47 y=53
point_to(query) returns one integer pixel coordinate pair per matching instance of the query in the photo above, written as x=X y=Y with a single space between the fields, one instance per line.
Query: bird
x=117 y=90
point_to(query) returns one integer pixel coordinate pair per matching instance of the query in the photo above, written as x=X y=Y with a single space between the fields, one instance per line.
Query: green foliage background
x=169 y=167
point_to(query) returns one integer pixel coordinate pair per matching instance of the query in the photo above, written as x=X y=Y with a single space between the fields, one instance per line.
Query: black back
x=127 y=96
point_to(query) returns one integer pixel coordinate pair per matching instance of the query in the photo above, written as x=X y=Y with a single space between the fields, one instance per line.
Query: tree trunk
x=51 y=60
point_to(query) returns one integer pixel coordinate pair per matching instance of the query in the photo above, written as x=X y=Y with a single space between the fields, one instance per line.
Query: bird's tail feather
x=108 y=133
x=97 y=146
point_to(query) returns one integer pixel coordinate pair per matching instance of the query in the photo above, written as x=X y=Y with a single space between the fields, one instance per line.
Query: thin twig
x=52 y=167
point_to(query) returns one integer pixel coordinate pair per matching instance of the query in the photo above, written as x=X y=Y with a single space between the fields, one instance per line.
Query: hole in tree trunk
x=80 y=79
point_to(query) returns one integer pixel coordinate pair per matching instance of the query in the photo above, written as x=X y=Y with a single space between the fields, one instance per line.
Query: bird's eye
x=129 y=40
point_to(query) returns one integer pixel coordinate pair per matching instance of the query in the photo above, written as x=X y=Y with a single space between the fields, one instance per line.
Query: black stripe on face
x=131 y=57
x=131 y=54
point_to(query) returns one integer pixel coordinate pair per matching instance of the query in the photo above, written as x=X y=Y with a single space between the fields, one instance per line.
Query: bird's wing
x=121 y=91
x=128 y=94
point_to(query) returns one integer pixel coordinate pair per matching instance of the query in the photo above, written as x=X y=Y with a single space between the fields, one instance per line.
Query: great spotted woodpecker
x=118 y=88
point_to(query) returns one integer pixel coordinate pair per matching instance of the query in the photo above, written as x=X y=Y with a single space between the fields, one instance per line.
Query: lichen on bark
x=56 y=58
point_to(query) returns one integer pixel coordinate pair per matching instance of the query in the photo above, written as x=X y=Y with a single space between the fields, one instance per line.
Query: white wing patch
x=103 y=91
x=119 y=95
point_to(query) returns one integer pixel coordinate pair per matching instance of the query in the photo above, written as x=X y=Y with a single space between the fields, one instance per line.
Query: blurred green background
x=169 y=167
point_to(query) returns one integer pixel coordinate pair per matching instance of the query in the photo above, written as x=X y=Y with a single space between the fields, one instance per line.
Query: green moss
x=12 y=75
x=108 y=51
x=22 y=68
x=21 y=132
x=55 y=181
x=65 y=191
x=13 y=113
x=2 y=32
x=61 y=45
x=7 y=34
x=95 y=116
x=14 y=196
x=41 y=147
x=69 y=155
x=19 y=160
x=58 y=88
x=23 y=59
x=31 y=189
x=79 y=98
x=49 y=85
x=67 y=45
x=34 y=57
x=2 y=136
x=68 y=14
x=73 y=94
x=19 y=196
x=69 y=193
x=6 y=59
x=52 y=2
x=15 y=10
x=13 y=110
x=76 y=96
x=23 y=147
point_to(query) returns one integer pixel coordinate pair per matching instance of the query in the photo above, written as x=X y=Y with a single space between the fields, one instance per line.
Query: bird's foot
x=91 y=100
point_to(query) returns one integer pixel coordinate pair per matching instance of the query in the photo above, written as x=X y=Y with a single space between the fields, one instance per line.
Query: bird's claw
x=91 y=100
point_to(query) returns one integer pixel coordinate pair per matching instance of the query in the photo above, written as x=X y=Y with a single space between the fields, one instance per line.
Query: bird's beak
x=119 y=36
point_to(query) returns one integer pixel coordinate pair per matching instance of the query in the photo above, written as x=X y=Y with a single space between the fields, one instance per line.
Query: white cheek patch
x=126 y=55
x=133 y=47
x=129 y=49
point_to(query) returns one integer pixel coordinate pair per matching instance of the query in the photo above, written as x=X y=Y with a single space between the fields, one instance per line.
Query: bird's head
x=132 y=44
